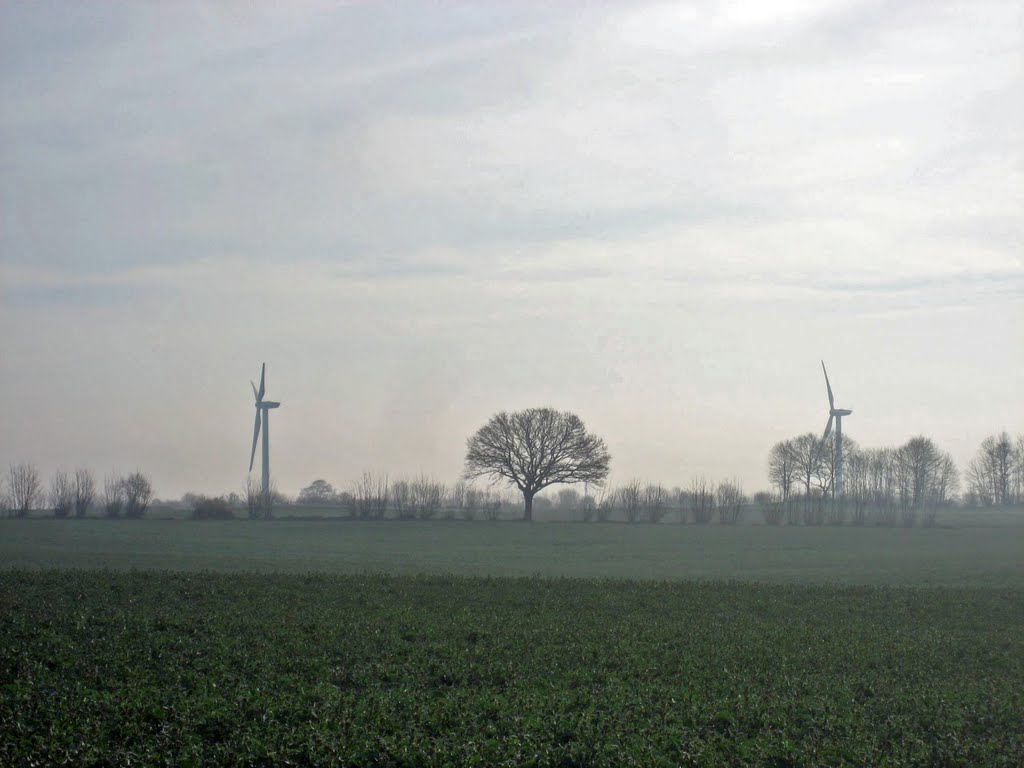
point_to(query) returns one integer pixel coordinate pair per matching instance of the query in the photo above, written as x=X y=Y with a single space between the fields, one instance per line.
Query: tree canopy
x=534 y=449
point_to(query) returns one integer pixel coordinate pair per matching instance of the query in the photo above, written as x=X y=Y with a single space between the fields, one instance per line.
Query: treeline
x=996 y=473
x=74 y=494
x=905 y=485
x=376 y=497
x=886 y=486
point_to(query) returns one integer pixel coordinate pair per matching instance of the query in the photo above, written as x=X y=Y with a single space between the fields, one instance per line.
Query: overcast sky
x=657 y=216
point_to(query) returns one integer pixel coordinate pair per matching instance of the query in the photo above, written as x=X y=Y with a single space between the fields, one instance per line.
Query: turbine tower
x=262 y=415
x=837 y=414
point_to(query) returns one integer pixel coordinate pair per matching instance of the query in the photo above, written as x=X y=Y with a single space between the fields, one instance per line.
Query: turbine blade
x=254 y=392
x=824 y=437
x=255 y=437
x=831 y=402
x=263 y=382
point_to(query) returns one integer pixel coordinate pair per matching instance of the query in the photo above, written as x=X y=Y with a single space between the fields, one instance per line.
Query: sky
x=659 y=216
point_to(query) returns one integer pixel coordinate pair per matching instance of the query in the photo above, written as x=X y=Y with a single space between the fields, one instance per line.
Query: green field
x=198 y=669
x=987 y=553
x=174 y=642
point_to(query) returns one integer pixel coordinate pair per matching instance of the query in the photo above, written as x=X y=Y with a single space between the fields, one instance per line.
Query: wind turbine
x=262 y=414
x=837 y=414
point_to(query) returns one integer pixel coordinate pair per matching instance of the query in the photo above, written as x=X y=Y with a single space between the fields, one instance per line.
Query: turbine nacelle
x=840 y=412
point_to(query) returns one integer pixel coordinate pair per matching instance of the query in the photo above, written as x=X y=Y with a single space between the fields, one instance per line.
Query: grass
x=151 y=668
x=985 y=554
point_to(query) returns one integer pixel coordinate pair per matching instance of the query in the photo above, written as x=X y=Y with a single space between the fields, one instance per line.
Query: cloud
x=669 y=207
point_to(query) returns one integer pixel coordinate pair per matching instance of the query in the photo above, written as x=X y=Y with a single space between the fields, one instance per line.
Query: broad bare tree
x=85 y=491
x=534 y=449
x=62 y=494
x=24 y=488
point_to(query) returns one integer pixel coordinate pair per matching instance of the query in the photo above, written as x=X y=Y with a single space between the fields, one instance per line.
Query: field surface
x=983 y=551
x=123 y=668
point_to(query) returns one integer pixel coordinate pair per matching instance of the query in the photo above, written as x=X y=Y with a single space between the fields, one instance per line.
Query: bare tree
x=113 y=495
x=702 y=501
x=605 y=505
x=588 y=507
x=427 y=496
x=655 y=503
x=491 y=505
x=856 y=485
x=943 y=487
x=568 y=502
x=806 y=460
x=730 y=499
x=919 y=461
x=401 y=500
x=474 y=499
x=772 y=507
x=782 y=467
x=534 y=449
x=629 y=499
x=454 y=501
x=62 y=494
x=24 y=488
x=251 y=497
x=84 y=490
x=371 y=496
x=138 y=492
x=990 y=474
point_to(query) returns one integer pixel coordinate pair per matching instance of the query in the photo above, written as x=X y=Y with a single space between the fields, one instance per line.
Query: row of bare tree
x=886 y=486
x=636 y=501
x=374 y=496
x=74 y=493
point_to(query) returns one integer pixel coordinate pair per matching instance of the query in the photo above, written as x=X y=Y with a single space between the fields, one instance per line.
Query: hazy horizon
x=657 y=216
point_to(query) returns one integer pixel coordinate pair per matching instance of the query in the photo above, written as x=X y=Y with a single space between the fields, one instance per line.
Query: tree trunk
x=528 y=508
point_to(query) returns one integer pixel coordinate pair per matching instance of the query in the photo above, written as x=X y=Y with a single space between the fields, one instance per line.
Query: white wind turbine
x=262 y=415
x=837 y=414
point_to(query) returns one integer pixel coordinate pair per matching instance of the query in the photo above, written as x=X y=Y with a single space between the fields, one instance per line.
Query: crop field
x=101 y=667
x=985 y=552
x=359 y=643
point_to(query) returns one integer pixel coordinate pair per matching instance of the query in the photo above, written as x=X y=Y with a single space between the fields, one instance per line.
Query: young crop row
x=100 y=668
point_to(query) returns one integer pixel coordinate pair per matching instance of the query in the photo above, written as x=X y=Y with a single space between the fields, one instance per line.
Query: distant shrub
x=216 y=508
x=772 y=507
